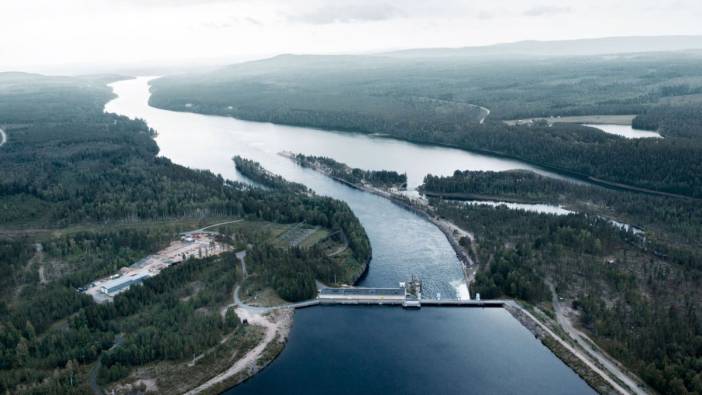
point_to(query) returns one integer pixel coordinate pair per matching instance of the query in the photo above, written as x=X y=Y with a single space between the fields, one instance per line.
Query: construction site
x=198 y=244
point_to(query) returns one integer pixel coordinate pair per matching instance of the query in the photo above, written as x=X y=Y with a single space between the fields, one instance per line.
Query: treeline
x=290 y=272
x=641 y=309
x=668 y=165
x=376 y=178
x=359 y=93
x=682 y=120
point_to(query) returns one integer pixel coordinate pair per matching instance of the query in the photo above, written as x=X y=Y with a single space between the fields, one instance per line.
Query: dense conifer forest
x=82 y=194
x=434 y=100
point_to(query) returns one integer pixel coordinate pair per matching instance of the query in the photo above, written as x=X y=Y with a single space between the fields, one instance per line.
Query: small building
x=115 y=286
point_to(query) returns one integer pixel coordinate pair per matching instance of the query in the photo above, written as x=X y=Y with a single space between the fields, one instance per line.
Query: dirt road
x=276 y=326
x=584 y=358
x=591 y=348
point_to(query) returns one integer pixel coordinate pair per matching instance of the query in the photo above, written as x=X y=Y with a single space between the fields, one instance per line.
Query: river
x=403 y=244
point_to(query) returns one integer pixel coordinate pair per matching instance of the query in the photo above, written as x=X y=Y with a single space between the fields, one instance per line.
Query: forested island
x=636 y=297
x=256 y=173
x=370 y=94
x=383 y=179
x=83 y=194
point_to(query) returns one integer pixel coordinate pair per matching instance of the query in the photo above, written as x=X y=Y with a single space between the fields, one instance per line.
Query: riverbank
x=276 y=325
x=550 y=169
x=402 y=242
x=452 y=232
x=586 y=365
x=604 y=382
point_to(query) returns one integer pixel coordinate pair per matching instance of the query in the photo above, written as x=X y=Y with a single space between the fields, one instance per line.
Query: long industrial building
x=115 y=286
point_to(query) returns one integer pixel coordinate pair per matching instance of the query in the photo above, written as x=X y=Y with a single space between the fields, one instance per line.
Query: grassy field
x=314 y=237
x=281 y=235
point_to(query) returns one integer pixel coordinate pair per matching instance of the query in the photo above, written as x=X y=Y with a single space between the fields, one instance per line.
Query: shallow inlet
x=625 y=131
x=436 y=347
x=530 y=207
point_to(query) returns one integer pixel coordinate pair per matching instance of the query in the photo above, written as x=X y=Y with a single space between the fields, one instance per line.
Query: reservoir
x=386 y=350
x=485 y=347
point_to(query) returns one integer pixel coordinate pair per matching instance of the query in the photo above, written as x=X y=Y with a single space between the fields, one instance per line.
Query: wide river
x=371 y=350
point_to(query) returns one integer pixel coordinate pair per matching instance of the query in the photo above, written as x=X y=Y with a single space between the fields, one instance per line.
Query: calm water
x=432 y=351
x=370 y=350
x=531 y=207
x=547 y=209
x=625 y=131
x=403 y=244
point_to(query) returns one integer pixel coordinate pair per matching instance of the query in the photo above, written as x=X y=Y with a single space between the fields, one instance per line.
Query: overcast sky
x=38 y=35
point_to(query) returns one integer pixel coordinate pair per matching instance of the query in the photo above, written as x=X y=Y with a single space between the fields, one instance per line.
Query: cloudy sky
x=38 y=35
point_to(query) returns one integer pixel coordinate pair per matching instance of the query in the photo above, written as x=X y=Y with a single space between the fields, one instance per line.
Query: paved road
x=588 y=345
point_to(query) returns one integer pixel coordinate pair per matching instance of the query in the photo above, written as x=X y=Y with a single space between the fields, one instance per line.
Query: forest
x=672 y=226
x=331 y=213
x=82 y=194
x=292 y=272
x=427 y=100
x=640 y=305
x=377 y=178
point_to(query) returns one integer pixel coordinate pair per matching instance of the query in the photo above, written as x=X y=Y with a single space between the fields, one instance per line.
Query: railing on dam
x=388 y=296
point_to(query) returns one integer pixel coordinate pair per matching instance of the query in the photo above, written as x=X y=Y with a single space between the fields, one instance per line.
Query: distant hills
x=581 y=47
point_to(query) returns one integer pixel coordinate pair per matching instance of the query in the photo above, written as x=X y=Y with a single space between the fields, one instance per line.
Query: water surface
x=403 y=243
x=625 y=131
x=530 y=207
x=387 y=350
x=369 y=350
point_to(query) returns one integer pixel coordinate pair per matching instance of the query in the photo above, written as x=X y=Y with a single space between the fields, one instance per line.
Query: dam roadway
x=374 y=296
